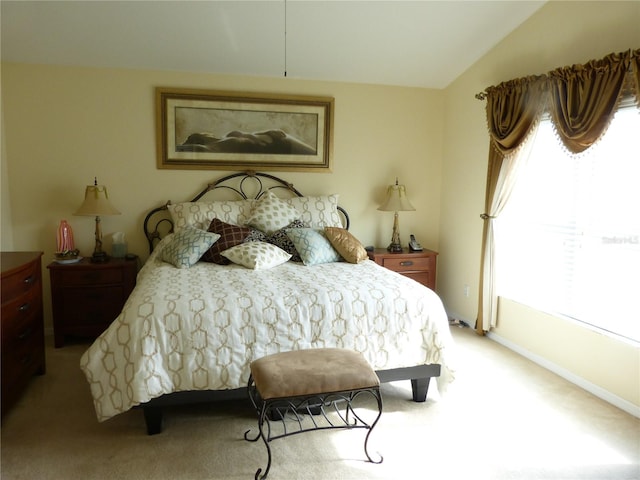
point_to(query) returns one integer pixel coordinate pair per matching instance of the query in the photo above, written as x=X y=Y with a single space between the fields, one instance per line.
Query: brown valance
x=512 y=109
x=580 y=98
x=584 y=98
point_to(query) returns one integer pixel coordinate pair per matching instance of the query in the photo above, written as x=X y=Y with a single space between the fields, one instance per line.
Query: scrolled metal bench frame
x=309 y=413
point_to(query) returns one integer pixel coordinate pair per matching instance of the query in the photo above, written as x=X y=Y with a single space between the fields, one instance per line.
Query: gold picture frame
x=218 y=130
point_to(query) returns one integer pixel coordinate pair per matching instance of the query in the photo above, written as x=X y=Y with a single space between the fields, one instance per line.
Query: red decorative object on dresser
x=22 y=323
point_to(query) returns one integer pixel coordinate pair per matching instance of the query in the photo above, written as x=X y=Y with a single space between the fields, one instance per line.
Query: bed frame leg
x=420 y=387
x=153 y=419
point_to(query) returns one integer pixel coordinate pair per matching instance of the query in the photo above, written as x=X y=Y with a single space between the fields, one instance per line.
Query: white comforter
x=199 y=328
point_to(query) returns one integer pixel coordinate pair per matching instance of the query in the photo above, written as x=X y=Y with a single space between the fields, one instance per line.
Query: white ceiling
x=408 y=43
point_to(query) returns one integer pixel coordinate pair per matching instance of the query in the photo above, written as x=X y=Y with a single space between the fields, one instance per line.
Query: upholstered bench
x=304 y=390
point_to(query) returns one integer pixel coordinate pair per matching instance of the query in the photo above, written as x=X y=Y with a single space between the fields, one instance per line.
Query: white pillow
x=256 y=255
x=187 y=246
x=270 y=213
x=318 y=212
x=200 y=214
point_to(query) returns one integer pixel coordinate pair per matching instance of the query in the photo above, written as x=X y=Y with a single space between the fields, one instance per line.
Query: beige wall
x=62 y=126
x=561 y=33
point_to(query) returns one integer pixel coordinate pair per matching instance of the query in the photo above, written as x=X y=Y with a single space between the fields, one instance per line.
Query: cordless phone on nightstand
x=414 y=246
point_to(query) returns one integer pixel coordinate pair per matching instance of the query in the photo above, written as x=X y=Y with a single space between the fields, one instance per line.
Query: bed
x=195 y=320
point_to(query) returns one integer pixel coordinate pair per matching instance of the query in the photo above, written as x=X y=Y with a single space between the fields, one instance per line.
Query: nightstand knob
x=407 y=263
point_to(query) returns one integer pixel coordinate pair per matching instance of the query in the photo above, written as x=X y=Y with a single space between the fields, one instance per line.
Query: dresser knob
x=408 y=263
x=23 y=308
x=29 y=280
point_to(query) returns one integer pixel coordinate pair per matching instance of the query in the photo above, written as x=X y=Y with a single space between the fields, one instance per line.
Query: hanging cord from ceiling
x=285 y=38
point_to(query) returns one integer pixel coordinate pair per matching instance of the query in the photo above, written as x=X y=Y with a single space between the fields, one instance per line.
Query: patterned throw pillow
x=187 y=246
x=270 y=213
x=230 y=236
x=313 y=246
x=257 y=255
x=200 y=214
x=318 y=212
x=348 y=246
x=281 y=239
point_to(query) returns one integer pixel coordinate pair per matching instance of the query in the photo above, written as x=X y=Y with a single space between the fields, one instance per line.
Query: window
x=568 y=241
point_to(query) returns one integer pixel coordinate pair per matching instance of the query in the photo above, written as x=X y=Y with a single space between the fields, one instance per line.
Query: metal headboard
x=158 y=222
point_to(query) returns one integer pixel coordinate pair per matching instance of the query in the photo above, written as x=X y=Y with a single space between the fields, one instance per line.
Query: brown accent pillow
x=348 y=246
x=230 y=236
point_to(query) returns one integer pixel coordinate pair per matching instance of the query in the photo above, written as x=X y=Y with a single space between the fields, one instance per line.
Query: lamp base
x=394 y=248
x=99 y=257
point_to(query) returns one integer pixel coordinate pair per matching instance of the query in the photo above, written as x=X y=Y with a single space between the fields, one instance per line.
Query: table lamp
x=96 y=203
x=397 y=201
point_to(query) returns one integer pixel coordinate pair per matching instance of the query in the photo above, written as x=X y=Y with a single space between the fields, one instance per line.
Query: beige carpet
x=503 y=418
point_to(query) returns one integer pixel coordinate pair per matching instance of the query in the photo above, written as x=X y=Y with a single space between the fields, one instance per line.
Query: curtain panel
x=581 y=99
x=513 y=108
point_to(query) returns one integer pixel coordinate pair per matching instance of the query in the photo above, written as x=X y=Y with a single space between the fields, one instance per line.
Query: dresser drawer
x=22 y=326
x=404 y=264
x=80 y=276
x=23 y=352
x=21 y=281
x=19 y=313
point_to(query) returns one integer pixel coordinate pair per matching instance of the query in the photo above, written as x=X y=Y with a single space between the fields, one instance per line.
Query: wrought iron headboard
x=158 y=222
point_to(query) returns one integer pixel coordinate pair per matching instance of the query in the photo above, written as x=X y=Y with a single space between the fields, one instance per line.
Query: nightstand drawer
x=86 y=297
x=92 y=305
x=419 y=266
x=403 y=264
x=81 y=276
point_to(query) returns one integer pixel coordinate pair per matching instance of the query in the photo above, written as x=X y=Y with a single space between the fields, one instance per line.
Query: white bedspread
x=199 y=328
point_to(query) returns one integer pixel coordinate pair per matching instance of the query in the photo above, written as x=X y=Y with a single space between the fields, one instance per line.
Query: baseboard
x=599 y=392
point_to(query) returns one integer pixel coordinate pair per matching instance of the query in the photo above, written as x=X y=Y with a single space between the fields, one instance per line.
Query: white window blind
x=568 y=241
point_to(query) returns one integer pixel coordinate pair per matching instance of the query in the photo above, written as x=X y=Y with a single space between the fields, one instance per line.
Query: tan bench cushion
x=312 y=371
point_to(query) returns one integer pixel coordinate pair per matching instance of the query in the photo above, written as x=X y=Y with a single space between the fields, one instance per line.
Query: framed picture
x=198 y=129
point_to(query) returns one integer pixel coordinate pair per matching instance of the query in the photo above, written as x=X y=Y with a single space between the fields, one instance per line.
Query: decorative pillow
x=348 y=246
x=187 y=246
x=200 y=214
x=270 y=213
x=313 y=246
x=256 y=236
x=281 y=239
x=257 y=255
x=230 y=236
x=318 y=212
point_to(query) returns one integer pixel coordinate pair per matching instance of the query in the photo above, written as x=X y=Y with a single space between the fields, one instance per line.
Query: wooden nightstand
x=421 y=266
x=86 y=297
x=22 y=325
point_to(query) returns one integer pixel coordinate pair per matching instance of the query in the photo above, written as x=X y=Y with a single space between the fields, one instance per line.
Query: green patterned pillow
x=313 y=246
x=270 y=214
x=187 y=246
x=257 y=255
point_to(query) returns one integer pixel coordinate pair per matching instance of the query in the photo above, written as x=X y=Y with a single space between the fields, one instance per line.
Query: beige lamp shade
x=96 y=202
x=397 y=200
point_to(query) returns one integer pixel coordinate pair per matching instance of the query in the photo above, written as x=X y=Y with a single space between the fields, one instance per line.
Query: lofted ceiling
x=406 y=43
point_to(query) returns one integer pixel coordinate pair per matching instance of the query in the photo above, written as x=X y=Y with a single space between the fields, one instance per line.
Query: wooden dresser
x=22 y=323
x=421 y=266
x=86 y=297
